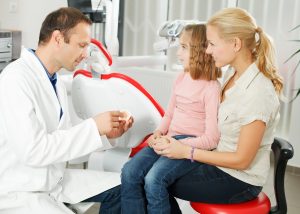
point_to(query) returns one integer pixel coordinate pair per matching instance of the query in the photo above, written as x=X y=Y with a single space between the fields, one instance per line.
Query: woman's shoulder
x=262 y=84
x=261 y=92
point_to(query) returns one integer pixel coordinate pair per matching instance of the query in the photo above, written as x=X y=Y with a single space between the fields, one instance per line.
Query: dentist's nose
x=84 y=53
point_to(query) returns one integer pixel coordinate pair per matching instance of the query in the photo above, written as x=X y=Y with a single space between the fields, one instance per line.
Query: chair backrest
x=283 y=151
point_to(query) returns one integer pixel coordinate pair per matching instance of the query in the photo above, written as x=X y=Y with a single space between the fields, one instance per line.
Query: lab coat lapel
x=65 y=120
x=37 y=68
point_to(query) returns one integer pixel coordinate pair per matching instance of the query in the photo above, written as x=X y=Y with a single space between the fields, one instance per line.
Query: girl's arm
x=210 y=138
x=166 y=120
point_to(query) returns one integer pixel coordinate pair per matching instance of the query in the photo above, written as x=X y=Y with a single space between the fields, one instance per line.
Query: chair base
x=260 y=205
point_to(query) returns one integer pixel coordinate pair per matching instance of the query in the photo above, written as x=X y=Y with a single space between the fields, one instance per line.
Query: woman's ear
x=237 y=44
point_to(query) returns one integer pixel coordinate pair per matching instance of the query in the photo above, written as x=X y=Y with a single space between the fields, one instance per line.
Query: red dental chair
x=283 y=151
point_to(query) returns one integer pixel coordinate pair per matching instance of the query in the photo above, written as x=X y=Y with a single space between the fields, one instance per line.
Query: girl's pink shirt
x=193 y=110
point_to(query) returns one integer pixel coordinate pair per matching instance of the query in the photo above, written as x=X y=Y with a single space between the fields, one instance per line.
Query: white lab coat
x=35 y=144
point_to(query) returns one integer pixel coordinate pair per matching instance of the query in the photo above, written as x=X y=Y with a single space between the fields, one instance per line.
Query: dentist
x=36 y=138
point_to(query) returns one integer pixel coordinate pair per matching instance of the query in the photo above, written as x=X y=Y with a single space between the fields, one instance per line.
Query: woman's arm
x=249 y=142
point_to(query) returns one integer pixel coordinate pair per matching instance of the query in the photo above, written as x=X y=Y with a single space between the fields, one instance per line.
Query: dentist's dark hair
x=64 y=20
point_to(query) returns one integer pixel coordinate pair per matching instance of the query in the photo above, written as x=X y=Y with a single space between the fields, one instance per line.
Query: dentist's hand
x=108 y=121
x=123 y=127
x=111 y=123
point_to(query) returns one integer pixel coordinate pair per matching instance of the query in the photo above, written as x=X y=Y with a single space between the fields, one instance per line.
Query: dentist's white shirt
x=35 y=144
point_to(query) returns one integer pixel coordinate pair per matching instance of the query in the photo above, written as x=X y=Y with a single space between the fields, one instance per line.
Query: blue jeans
x=209 y=184
x=145 y=179
x=110 y=201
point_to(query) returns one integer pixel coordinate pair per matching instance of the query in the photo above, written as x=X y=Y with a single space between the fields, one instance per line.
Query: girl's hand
x=173 y=149
x=153 y=138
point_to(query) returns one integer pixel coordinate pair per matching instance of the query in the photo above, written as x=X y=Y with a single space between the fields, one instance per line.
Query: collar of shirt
x=52 y=78
x=246 y=78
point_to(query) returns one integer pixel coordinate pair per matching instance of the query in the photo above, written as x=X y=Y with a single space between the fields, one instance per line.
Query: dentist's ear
x=57 y=37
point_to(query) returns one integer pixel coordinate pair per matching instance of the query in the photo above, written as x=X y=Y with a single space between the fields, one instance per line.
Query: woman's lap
x=209 y=184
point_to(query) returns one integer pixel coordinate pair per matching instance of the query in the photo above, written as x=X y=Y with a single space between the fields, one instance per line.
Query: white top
x=251 y=98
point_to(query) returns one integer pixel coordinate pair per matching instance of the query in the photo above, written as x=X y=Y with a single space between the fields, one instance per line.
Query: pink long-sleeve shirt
x=193 y=110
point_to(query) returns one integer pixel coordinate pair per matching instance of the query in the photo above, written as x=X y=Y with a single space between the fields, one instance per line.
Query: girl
x=191 y=117
x=249 y=111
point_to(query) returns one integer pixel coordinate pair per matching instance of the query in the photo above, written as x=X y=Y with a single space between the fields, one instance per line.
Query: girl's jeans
x=150 y=182
x=145 y=179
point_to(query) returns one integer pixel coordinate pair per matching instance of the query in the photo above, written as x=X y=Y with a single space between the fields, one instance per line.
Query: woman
x=249 y=111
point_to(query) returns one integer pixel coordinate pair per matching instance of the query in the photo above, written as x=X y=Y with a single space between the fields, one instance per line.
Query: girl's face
x=221 y=50
x=183 y=52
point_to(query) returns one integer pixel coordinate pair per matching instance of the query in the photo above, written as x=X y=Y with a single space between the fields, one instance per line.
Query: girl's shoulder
x=214 y=84
x=179 y=77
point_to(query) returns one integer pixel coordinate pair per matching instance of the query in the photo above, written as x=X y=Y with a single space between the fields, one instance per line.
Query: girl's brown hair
x=201 y=65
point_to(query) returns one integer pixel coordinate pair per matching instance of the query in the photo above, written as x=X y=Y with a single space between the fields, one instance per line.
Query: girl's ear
x=237 y=44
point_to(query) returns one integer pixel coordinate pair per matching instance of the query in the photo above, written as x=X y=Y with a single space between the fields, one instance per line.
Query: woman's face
x=221 y=50
x=183 y=52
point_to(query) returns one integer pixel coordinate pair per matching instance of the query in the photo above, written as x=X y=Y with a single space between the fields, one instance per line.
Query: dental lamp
x=171 y=30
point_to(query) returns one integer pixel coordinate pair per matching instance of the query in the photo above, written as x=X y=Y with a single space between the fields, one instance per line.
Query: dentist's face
x=73 y=52
x=221 y=50
x=183 y=52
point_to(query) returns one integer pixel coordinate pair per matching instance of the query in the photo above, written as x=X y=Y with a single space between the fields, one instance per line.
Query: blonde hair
x=201 y=65
x=236 y=22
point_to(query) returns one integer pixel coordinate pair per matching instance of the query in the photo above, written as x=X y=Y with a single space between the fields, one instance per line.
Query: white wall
x=27 y=19
x=144 y=17
x=276 y=17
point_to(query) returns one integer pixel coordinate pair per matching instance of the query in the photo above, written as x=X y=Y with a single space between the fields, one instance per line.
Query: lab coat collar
x=37 y=68
x=52 y=78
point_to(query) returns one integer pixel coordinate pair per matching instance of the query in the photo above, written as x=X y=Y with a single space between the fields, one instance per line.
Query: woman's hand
x=172 y=148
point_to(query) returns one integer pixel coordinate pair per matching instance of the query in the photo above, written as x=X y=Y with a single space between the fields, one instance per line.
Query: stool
x=283 y=151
